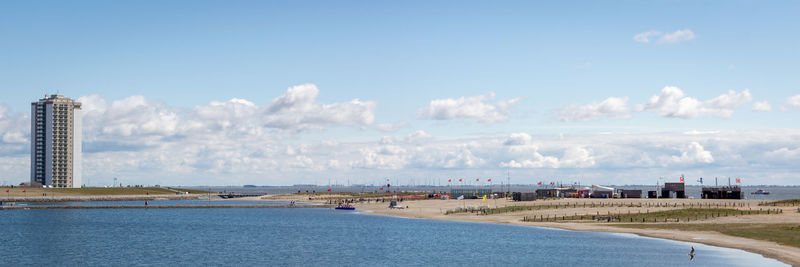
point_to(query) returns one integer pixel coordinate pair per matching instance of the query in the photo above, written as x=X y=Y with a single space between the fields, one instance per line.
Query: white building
x=56 y=142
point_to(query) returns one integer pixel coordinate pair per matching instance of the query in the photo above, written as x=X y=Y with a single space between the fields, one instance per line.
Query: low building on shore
x=470 y=192
x=725 y=192
x=677 y=188
x=630 y=193
x=523 y=196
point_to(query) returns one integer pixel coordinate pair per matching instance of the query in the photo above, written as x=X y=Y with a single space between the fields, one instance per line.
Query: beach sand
x=435 y=210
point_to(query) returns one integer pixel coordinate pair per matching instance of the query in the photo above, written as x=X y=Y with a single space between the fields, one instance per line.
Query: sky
x=318 y=92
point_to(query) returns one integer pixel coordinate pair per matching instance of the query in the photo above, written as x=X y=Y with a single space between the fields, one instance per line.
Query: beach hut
x=677 y=188
x=725 y=192
x=523 y=196
x=630 y=193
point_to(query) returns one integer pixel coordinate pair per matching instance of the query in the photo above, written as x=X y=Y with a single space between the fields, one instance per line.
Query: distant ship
x=760 y=192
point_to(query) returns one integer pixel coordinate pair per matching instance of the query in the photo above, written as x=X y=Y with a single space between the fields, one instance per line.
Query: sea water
x=321 y=237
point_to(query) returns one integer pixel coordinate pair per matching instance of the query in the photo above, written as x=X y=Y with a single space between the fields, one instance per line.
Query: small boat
x=345 y=207
x=760 y=192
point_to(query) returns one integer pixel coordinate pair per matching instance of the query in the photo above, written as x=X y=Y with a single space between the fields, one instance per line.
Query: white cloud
x=664 y=38
x=14 y=130
x=794 y=101
x=762 y=106
x=693 y=153
x=391 y=127
x=518 y=139
x=577 y=157
x=475 y=107
x=297 y=110
x=612 y=107
x=673 y=103
x=133 y=116
x=418 y=136
x=783 y=155
x=644 y=37
x=677 y=36
x=530 y=157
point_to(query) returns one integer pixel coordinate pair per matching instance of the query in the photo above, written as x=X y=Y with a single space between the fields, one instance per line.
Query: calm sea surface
x=320 y=237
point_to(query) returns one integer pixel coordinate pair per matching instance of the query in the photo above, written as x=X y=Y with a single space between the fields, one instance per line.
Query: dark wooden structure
x=547 y=192
x=677 y=188
x=725 y=192
x=630 y=193
x=470 y=192
x=520 y=196
x=602 y=194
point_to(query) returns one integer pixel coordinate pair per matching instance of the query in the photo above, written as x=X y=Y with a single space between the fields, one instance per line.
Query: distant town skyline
x=264 y=93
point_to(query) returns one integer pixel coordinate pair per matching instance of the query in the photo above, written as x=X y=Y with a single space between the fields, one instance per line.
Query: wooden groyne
x=27 y=207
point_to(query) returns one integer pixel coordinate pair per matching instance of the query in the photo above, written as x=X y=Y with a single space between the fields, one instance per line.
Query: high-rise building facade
x=56 y=142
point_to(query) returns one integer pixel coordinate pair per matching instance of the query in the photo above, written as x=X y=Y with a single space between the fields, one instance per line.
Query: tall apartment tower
x=56 y=142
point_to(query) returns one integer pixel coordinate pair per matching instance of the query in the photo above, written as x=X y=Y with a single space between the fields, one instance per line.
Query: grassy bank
x=677 y=215
x=91 y=191
x=784 y=234
x=788 y=202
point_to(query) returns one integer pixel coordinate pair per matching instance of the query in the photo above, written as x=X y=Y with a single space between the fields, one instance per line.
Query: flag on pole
x=490 y=180
x=329 y=189
x=738 y=180
x=448 y=180
x=477 y=179
x=540 y=182
x=682 y=178
x=459 y=179
x=484 y=198
x=700 y=180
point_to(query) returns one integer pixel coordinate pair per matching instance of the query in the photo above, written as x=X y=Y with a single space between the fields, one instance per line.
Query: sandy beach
x=437 y=210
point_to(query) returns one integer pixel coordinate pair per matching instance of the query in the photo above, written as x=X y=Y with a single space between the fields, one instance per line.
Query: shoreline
x=433 y=210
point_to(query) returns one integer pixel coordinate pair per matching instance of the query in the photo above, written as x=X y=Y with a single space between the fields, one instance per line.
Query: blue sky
x=550 y=61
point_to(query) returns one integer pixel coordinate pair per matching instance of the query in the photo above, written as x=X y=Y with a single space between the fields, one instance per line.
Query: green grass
x=788 y=202
x=190 y=191
x=507 y=209
x=678 y=215
x=785 y=234
x=691 y=214
x=93 y=191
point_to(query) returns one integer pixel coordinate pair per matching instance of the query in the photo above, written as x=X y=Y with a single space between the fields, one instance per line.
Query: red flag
x=381 y=188
x=448 y=180
x=682 y=179
x=459 y=179
x=477 y=179
x=329 y=189
x=490 y=179
x=540 y=182
x=738 y=180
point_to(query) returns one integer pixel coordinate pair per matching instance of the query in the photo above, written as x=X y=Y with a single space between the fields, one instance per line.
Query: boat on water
x=345 y=207
x=760 y=192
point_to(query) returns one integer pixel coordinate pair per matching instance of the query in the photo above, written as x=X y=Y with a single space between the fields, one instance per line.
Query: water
x=184 y=202
x=320 y=237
